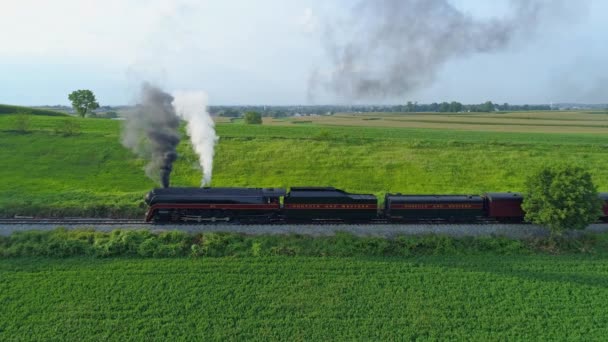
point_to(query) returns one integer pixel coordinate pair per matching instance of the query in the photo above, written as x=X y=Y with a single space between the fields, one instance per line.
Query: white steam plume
x=192 y=107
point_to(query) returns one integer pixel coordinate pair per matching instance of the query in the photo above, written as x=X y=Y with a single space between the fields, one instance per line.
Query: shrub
x=68 y=127
x=23 y=122
x=63 y=243
x=148 y=247
x=215 y=244
x=253 y=118
x=323 y=134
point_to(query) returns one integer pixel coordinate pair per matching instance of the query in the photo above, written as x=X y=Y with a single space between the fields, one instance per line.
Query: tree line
x=456 y=107
x=409 y=107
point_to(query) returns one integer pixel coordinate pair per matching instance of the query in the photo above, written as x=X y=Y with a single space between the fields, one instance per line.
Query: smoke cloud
x=192 y=107
x=152 y=132
x=392 y=47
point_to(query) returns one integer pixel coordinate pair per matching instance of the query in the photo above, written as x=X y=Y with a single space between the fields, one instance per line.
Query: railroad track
x=70 y=221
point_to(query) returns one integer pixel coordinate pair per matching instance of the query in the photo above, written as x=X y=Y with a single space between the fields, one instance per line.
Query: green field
x=47 y=173
x=301 y=299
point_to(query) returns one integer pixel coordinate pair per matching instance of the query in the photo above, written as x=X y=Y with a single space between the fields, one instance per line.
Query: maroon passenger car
x=504 y=206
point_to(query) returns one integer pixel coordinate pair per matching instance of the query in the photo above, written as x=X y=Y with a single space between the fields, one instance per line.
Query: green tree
x=83 y=101
x=560 y=198
x=410 y=107
x=230 y=113
x=444 y=107
x=253 y=118
x=455 y=107
x=488 y=106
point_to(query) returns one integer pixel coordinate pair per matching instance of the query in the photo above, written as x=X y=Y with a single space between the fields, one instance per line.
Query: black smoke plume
x=151 y=131
x=387 y=48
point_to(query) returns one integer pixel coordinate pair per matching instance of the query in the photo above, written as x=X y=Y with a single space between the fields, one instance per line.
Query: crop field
x=90 y=173
x=533 y=122
x=301 y=299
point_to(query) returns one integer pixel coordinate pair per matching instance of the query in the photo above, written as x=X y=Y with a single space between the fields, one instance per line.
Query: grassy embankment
x=92 y=174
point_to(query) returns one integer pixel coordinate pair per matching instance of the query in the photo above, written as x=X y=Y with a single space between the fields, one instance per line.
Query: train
x=326 y=205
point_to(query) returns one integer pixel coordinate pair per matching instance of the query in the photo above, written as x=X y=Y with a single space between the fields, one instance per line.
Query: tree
x=230 y=113
x=410 y=107
x=488 y=106
x=253 y=118
x=444 y=107
x=83 y=100
x=279 y=114
x=455 y=107
x=561 y=197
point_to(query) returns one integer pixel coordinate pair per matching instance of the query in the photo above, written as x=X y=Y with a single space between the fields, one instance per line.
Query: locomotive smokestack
x=165 y=170
x=152 y=132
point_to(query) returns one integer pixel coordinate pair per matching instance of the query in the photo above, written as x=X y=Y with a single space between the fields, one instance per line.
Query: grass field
x=92 y=174
x=300 y=299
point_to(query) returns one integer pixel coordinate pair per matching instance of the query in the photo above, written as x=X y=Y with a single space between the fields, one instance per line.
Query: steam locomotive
x=328 y=205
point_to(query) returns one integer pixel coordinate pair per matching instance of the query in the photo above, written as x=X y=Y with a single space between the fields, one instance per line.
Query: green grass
x=46 y=173
x=302 y=298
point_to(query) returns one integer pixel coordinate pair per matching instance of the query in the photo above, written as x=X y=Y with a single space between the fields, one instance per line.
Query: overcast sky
x=264 y=52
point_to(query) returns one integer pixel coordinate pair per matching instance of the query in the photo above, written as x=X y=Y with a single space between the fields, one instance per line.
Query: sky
x=265 y=52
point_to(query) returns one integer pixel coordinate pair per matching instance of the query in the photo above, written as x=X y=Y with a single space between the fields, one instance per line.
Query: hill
x=10 y=109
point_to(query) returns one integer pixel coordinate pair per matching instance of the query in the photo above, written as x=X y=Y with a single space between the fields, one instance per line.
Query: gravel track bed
x=516 y=231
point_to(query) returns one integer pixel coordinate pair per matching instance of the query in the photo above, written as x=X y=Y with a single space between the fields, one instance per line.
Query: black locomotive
x=247 y=205
x=327 y=205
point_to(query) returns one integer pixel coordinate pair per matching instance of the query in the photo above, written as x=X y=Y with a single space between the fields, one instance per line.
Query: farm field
x=298 y=298
x=533 y=122
x=91 y=173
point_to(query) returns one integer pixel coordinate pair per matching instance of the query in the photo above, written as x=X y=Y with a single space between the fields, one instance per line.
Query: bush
x=142 y=243
x=253 y=118
x=560 y=198
x=68 y=127
x=22 y=122
x=323 y=134
x=107 y=115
